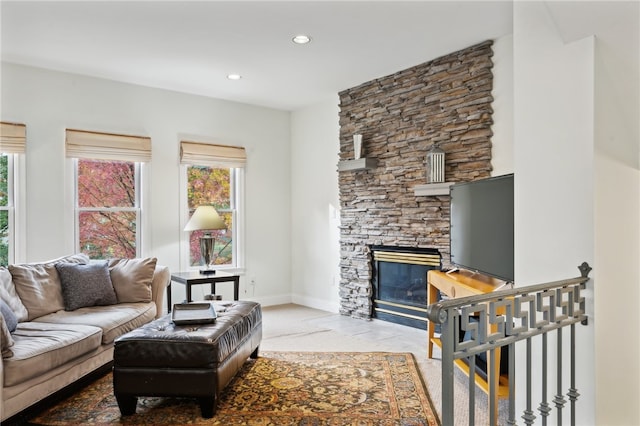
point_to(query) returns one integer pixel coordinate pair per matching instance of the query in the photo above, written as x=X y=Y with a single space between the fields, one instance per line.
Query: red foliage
x=106 y=184
x=103 y=186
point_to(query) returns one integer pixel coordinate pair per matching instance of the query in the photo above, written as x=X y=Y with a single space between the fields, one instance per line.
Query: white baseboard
x=283 y=299
x=312 y=302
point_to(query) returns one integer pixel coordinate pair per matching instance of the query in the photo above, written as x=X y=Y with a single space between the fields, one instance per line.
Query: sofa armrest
x=161 y=279
x=1 y=387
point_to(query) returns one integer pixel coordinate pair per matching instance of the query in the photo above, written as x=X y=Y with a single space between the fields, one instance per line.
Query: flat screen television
x=481 y=229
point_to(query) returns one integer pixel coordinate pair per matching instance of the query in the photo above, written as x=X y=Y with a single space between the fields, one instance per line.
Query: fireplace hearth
x=399 y=283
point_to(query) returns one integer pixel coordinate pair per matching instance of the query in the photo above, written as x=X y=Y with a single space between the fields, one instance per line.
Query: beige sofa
x=67 y=320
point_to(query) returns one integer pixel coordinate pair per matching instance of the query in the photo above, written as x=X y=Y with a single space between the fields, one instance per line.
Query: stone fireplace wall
x=445 y=101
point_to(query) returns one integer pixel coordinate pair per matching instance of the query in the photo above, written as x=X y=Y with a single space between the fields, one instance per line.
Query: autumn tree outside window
x=108 y=211
x=12 y=143
x=213 y=178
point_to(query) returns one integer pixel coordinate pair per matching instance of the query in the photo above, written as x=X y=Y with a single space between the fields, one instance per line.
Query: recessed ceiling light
x=301 y=39
x=234 y=76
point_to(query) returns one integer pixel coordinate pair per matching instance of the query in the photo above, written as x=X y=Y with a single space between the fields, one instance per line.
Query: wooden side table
x=463 y=284
x=192 y=278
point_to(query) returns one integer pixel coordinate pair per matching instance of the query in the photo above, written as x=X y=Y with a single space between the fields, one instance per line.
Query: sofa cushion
x=6 y=341
x=114 y=320
x=38 y=285
x=9 y=295
x=40 y=347
x=86 y=285
x=131 y=278
x=9 y=317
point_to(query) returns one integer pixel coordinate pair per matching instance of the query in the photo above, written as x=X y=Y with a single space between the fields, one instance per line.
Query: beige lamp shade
x=205 y=217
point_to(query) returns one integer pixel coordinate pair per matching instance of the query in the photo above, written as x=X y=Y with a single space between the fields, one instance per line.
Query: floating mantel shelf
x=359 y=164
x=432 y=189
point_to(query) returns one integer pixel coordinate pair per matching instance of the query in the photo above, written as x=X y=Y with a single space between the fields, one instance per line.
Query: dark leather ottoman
x=198 y=361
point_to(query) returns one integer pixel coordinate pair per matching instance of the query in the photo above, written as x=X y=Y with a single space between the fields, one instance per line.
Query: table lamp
x=206 y=218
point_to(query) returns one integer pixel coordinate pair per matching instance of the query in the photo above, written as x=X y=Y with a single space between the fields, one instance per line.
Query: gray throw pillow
x=10 y=318
x=86 y=285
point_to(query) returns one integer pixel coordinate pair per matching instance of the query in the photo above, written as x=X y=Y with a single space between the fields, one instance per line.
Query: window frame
x=237 y=211
x=138 y=208
x=19 y=208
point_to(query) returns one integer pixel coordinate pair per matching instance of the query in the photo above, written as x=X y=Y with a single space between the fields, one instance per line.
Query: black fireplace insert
x=400 y=283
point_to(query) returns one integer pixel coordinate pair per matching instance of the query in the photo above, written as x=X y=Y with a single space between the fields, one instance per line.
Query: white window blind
x=106 y=146
x=13 y=138
x=212 y=155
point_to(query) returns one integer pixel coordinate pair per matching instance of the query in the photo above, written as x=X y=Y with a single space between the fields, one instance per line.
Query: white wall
x=553 y=152
x=553 y=147
x=617 y=221
x=577 y=151
x=48 y=102
x=315 y=145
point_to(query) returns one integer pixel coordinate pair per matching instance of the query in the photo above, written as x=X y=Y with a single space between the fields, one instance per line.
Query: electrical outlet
x=252 y=281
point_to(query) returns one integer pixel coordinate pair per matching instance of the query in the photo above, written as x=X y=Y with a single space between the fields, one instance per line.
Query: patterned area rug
x=278 y=388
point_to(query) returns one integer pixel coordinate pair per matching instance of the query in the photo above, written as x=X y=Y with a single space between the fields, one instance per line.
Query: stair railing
x=493 y=320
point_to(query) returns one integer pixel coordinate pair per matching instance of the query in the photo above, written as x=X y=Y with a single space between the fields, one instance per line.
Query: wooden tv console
x=462 y=284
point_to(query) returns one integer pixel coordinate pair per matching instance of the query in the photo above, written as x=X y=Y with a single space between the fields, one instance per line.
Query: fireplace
x=399 y=283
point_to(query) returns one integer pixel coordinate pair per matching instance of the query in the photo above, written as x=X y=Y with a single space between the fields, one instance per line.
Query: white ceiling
x=191 y=46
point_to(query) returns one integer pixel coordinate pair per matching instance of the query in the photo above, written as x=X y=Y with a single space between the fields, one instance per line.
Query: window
x=108 y=197
x=215 y=187
x=6 y=209
x=107 y=208
x=12 y=144
x=214 y=176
